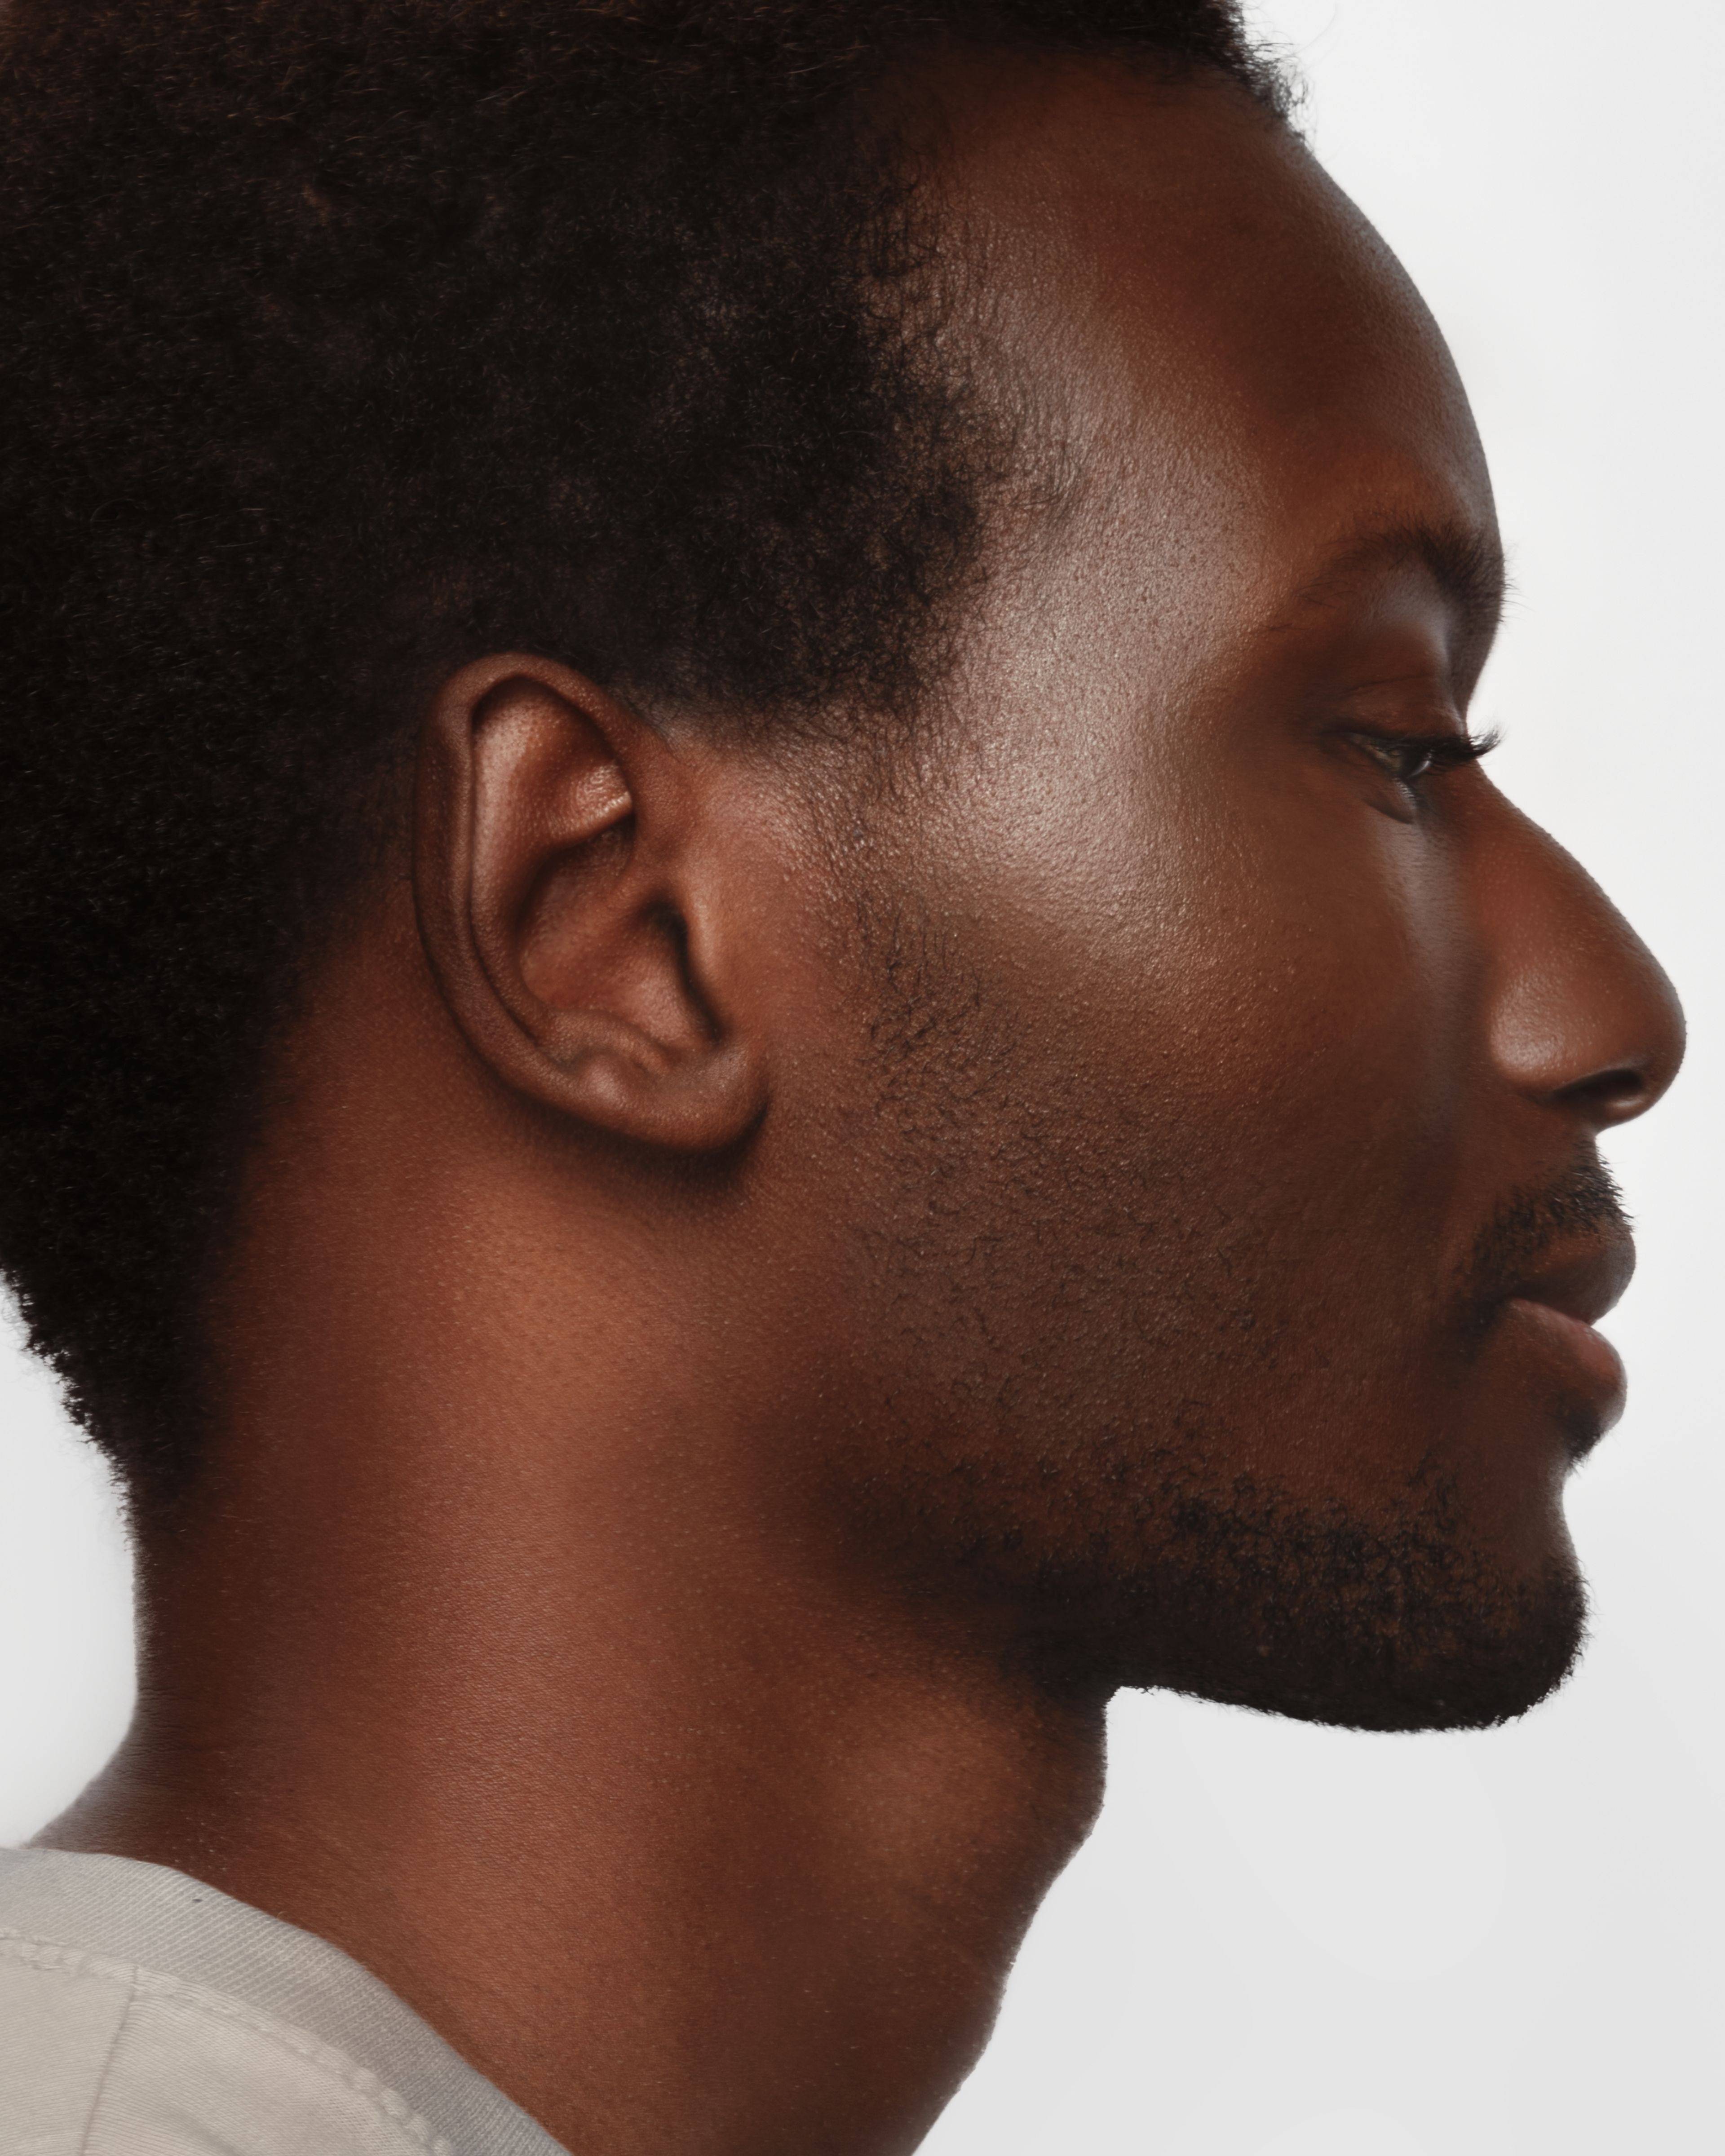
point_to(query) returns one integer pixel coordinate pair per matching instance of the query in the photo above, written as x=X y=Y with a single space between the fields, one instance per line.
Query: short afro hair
x=341 y=342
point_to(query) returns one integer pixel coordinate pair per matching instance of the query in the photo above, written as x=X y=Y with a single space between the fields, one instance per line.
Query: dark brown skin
x=761 y=1297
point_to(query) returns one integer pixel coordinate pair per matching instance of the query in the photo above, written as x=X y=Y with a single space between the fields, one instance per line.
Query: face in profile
x=1209 y=1206
x=1156 y=1231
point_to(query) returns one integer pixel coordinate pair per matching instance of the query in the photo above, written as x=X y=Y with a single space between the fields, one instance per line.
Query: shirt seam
x=95 y=2101
x=327 y=2059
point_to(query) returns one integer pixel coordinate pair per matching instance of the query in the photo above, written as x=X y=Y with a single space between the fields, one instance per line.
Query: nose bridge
x=1581 y=1014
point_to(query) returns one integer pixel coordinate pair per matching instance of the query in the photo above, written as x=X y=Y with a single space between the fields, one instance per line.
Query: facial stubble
x=1103 y=1498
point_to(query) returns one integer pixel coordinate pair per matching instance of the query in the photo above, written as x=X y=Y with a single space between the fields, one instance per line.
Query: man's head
x=764 y=713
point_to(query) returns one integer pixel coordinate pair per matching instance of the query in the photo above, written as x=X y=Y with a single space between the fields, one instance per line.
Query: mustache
x=1515 y=1243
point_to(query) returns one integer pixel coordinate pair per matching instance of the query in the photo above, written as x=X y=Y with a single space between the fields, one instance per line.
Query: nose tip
x=1586 y=1019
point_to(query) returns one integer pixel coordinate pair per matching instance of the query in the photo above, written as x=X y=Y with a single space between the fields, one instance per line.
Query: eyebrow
x=1465 y=563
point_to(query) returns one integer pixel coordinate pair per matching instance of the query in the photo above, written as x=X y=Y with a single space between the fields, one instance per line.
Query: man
x=763 y=1017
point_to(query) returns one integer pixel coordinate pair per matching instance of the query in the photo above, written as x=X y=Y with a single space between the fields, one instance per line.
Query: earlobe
x=561 y=913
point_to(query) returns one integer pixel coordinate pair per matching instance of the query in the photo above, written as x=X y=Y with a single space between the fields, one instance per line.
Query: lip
x=1593 y=1369
x=1562 y=1302
x=1581 y=1283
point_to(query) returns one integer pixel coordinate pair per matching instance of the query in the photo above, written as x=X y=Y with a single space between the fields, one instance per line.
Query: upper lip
x=1582 y=1282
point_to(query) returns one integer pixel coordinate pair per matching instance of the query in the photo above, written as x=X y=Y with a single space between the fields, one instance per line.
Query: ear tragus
x=550 y=845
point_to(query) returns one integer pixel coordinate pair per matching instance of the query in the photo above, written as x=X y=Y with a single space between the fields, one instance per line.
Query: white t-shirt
x=143 y=2014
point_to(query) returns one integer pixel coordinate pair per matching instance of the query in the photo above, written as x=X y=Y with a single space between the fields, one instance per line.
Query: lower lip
x=1590 y=1355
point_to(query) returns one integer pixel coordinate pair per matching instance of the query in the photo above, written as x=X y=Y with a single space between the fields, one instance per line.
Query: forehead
x=1230 y=354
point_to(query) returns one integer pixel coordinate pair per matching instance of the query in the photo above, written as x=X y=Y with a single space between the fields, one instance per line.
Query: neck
x=572 y=1724
x=679 y=1847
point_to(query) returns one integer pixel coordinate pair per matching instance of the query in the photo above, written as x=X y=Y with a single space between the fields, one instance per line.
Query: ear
x=562 y=903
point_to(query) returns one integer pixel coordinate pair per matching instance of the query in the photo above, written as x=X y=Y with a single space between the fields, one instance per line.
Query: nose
x=1582 y=1016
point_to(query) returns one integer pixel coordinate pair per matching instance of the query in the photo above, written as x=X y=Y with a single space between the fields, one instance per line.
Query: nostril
x=1612 y=1096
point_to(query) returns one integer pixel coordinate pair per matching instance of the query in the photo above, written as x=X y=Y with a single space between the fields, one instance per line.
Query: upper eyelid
x=1380 y=707
x=1448 y=730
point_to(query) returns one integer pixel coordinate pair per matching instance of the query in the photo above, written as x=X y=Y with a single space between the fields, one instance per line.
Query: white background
x=1290 y=1942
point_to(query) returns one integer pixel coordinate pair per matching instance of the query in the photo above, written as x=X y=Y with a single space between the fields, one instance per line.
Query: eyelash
x=1435 y=754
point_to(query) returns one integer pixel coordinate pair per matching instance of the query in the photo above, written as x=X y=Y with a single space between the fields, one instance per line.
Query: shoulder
x=100 y=2057
x=141 y=2010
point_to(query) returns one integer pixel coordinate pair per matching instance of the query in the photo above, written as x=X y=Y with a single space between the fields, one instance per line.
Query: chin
x=1398 y=1626
x=1446 y=1669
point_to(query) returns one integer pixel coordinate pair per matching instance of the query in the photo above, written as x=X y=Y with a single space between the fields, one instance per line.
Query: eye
x=1411 y=758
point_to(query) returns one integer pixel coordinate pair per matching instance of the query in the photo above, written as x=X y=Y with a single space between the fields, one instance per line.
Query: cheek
x=1255 y=1056
x=1323 y=1002
x=1287 y=981
x=1193 y=1056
